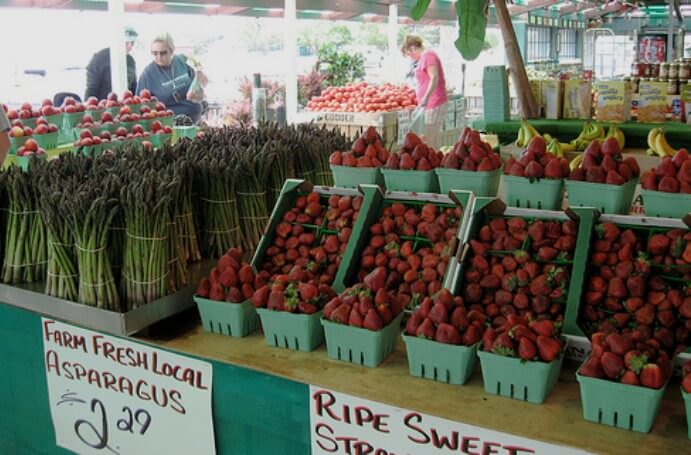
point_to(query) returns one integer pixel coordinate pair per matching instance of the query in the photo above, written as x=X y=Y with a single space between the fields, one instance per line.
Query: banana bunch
x=576 y=162
x=525 y=133
x=617 y=134
x=557 y=148
x=589 y=133
x=658 y=145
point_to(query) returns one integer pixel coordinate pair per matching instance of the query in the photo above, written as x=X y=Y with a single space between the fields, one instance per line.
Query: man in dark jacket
x=98 y=81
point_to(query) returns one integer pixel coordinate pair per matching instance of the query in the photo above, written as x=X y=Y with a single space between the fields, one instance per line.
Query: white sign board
x=348 y=425
x=111 y=396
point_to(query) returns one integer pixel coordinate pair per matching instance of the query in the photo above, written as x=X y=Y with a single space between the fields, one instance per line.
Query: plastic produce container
x=667 y=205
x=481 y=183
x=232 y=319
x=614 y=199
x=351 y=177
x=415 y=181
x=299 y=332
x=438 y=361
x=544 y=194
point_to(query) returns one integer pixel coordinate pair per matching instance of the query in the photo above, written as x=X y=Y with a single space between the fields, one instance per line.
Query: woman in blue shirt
x=169 y=77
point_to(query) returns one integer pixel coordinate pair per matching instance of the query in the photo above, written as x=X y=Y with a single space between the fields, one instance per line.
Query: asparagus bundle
x=279 y=169
x=250 y=175
x=25 y=234
x=146 y=200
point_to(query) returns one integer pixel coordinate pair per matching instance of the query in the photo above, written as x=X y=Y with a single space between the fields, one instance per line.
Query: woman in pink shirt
x=431 y=86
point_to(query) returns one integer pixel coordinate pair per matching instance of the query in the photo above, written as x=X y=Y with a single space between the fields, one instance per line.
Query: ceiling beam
x=577 y=7
x=595 y=13
x=515 y=10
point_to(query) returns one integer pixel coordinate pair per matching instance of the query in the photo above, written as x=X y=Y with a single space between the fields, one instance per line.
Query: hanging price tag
x=109 y=395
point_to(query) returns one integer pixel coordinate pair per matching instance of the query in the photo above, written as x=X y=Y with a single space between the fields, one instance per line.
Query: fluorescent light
x=131 y=2
x=211 y=5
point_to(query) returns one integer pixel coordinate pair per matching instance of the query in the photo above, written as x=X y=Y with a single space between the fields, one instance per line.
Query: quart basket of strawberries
x=517 y=270
x=223 y=298
x=471 y=165
x=361 y=324
x=442 y=338
x=536 y=179
x=362 y=163
x=686 y=392
x=605 y=180
x=411 y=168
x=666 y=189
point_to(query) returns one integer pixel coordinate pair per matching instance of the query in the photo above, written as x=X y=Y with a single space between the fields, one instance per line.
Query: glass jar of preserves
x=644 y=69
x=664 y=70
x=654 y=69
x=672 y=87
x=635 y=69
x=684 y=70
x=634 y=84
x=674 y=71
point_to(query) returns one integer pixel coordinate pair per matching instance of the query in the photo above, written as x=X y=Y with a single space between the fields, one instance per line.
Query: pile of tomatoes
x=363 y=97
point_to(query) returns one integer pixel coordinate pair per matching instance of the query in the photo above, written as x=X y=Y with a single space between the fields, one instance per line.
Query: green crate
x=375 y=200
x=47 y=141
x=23 y=161
x=67 y=136
x=438 y=361
x=613 y=199
x=481 y=183
x=69 y=121
x=113 y=110
x=301 y=332
x=95 y=113
x=687 y=405
x=544 y=194
x=668 y=205
x=618 y=405
x=159 y=139
x=134 y=108
x=413 y=181
x=360 y=346
x=30 y=122
x=128 y=125
x=16 y=143
x=232 y=319
x=515 y=378
x=351 y=177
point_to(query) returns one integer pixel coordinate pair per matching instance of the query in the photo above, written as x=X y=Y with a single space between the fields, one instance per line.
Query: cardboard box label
x=577 y=99
x=536 y=87
x=652 y=102
x=613 y=101
x=685 y=91
x=552 y=98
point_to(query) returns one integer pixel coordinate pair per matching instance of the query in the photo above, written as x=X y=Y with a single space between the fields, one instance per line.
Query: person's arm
x=433 y=73
x=133 y=81
x=94 y=76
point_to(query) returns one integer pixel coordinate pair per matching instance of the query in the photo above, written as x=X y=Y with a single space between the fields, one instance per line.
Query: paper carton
x=685 y=91
x=652 y=102
x=536 y=87
x=551 y=93
x=613 y=101
x=578 y=99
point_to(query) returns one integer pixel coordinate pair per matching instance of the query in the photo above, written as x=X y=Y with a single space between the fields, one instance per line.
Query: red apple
x=126 y=94
x=145 y=94
x=69 y=101
x=12 y=114
x=31 y=145
x=156 y=126
x=111 y=103
x=87 y=119
x=26 y=107
x=70 y=109
x=106 y=117
x=28 y=131
x=112 y=96
x=41 y=121
x=24 y=114
x=121 y=132
x=47 y=110
x=46 y=102
x=167 y=129
x=41 y=129
x=52 y=128
x=18 y=123
x=17 y=131
x=105 y=135
x=137 y=129
x=87 y=141
x=85 y=134
x=96 y=140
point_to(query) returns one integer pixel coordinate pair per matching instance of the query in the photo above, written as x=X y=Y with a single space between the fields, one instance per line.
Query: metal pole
x=670 y=30
x=290 y=30
x=118 y=54
x=393 y=41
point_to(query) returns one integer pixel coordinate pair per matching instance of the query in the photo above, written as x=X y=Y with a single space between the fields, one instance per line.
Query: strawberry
x=658 y=244
x=503 y=345
x=375 y=279
x=426 y=330
x=307 y=308
x=406 y=162
x=612 y=365
x=629 y=377
x=652 y=376
x=553 y=170
x=216 y=292
x=473 y=334
x=488 y=338
x=533 y=170
x=355 y=318
x=618 y=344
x=423 y=165
x=341 y=314
x=668 y=185
x=617 y=288
x=526 y=349
x=592 y=368
x=686 y=383
x=547 y=253
x=234 y=295
x=413 y=323
x=614 y=178
x=260 y=297
x=448 y=334
x=204 y=287
x=486 y=165
x=548 y=348
x=544 y=327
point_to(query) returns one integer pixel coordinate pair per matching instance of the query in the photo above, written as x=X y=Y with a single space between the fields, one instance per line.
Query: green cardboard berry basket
x=55 y=119
x=135 y=108
x=95 y=113
x=618 y=405
x=351 y=177
x=438 y=361
x=483 y=184
x=23 y=161
x=168 y=120
x=47 y=141
x=518 y=379
x=544 y=194
x=69 y=121
x=687 y=405
x=299 y=332
x=615 y=199
x=415 y=181
x=30 y=122
x=231 y=319
x=113 y=110
x=360 y=346
x=189 y=132
x=16 y=143
x=159 y=139
x=666 y=205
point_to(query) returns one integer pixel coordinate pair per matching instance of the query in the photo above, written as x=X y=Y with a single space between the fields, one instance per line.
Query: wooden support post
x=513 y=53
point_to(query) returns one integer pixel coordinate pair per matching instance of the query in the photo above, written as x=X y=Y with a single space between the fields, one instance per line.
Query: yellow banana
x=520 y=141
x=533 y=131
x=617 y=134
x=554 y=148
x=547 y=138
x=651 y=152
x=576 y=162
x=652 y=134
x=567 y=147
x=662 y=147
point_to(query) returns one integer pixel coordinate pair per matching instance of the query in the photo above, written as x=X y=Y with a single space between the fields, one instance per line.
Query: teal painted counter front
x=253 y=412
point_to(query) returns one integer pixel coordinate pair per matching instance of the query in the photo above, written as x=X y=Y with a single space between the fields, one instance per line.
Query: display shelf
x=558 y=421
x=636 y=133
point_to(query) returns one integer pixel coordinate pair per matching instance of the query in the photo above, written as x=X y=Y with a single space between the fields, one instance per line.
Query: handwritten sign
x=109 y=395
x=348 y=425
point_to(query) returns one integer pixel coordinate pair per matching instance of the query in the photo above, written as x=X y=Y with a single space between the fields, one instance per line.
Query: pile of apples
x=30 y=148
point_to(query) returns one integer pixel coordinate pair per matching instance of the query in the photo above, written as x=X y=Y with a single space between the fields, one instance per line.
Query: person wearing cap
x=431 y=86
x=98 y=81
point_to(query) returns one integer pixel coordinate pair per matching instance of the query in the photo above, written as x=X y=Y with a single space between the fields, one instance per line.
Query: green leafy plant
x=340 y=67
